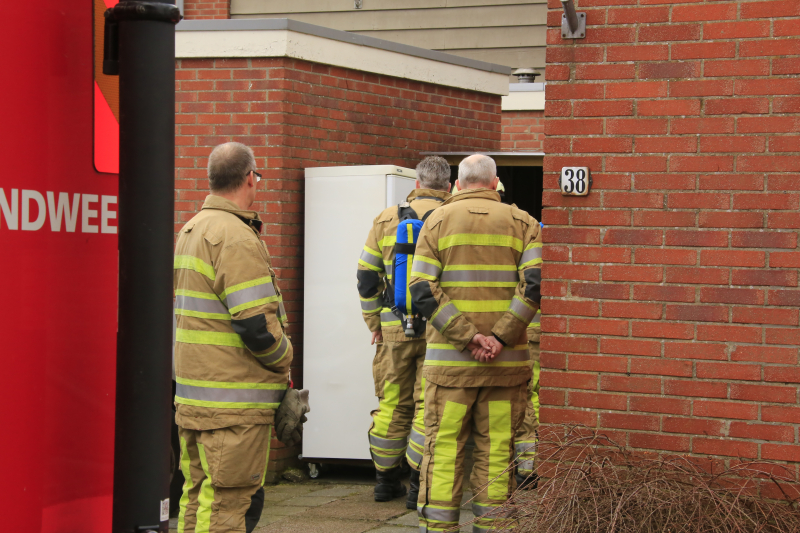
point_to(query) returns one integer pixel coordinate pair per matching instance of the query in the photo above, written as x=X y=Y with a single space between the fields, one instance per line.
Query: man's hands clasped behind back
x=484 y=348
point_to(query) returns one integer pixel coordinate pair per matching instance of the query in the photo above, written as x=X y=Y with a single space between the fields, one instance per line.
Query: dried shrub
x=590 y=484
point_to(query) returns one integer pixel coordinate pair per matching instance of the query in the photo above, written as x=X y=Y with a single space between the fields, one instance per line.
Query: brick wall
x=671 y=290
x=206 y=9
x=523 y=131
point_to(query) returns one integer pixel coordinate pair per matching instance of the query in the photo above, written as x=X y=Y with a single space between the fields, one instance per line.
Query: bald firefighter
x=527 y=436
x=232 y=355
x=400 y=352
x=476 y=277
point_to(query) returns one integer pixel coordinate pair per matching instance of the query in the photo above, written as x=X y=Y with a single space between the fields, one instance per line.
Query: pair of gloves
x=290 y=416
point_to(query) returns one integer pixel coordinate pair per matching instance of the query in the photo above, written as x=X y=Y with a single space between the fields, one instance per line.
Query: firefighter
x=232 y=355
x=476 y=277
x=527 y=436
x=397 y=367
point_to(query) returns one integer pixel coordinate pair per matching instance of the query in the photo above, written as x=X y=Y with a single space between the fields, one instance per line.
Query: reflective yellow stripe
x=476 y=239
x=389 y=240
x=373 y=252
x=201 y=314
x=478 y=283
x=227 y=405
x=386 y=407
x=187 y=484
x=255 y=303
x=500 y=435
x=231 y=385
x=196 y=294
x=482 y=306
x=192 y=263
x=206 y=496
x=409 y=264
x=214 y=338
x=506 y=268
x=428 y=260
x=245 y=285
x=446 y=451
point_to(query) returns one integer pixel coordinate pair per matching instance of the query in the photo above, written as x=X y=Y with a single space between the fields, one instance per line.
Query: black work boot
x=389 y=486
x=413 y=490
x=527 y=482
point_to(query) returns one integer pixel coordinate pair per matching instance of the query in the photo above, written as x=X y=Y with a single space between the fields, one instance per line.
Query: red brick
x=736 y=333
x=636 y=164
x=615 y=402
x=605 y=72
x=635 y=200
x=605 y=291
x=568 y=380
x=659 y=442
x=771 y=163
x=782 y=317
x=630 y=347
x=598 y=363
x=601 y=254
x=780 y=452
x=732 y=258
x=768 y=239
x=705 y=239
x=761 y=432
x=569 y=344
x=698 y=200
x=682 y=126
x=663 y=218
x=731 y=220
x=735 y=410
x=553 y=360
x=633 y=236
x=765 y=354
x=570 y=307
x=588 y=326
x=696 y=389
x=662 y=330
x=638 y=15
x=786 y=143
x=584 y=54
x=780 y=413
x=602 y=145
x=698 y=313
x=660 y=108
x=784 y=298
x=632 y=273
x=555 y=253
x=661 y=367
x=705 y=276
x=701 y=88
x=727 y=182
x=786 y=27
x=666 y=257
x=557 y=72
x=729 y=371
x=731 y=296
x=575 y=91
x=695 y=350
x=784 y=220
x=763 y=393
x=630 y=384
x=631 y=310
x=571 y=235
x=603 y=109
x=725 y=447
x=782 y=374
x=665 y=181
x=769 y=9
x=769 y=47
x=733 y=144
x=656 y=52
x=703 y=163
x=659 y=404
x=666 y=145
x=610 y=35
x=629 y=421
x=783 y=278
x=573 y=126
x=703 y=50
x=551 y=415
x=694 y=426
x=663 y=293
x=670 y=32
x=637 y=89
x=736 y=106
x=767 y=124
x=735 y=30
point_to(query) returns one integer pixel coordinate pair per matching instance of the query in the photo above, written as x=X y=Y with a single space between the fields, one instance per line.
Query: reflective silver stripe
x=387 y=462
x=439 y=515
x=209 y=394
x=519 y=307
x=413 y=456
x=250 y=294
x=493 y=511
x=388 y=444
x=530 y=255
x=480 y=275
x=440 y=319
x=417 y=437
x=507 y=355
x=537 y=318
x=372 y=305
x=201 y=305
x=273 y=357
x=425 y=268
x=388 y=268
x=525 y=447
x=389 y=317
x=371 y=259
x=525 y=466
x=281 y=311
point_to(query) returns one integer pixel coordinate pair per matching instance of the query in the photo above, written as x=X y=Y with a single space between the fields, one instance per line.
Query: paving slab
x=282 y=492
x=305 y=524
x=340 y=491
x=394 y=529
x=309 y=501
x=409 y=519
x=362 y=506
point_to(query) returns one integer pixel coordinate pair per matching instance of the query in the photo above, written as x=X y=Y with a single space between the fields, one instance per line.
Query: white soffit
x=288 y=38
x=524 y=97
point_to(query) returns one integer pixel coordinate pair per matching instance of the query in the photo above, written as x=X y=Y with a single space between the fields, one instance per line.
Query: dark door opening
x=524 y=186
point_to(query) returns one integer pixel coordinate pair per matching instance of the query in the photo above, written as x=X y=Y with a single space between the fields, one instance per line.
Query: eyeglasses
x=257 y=175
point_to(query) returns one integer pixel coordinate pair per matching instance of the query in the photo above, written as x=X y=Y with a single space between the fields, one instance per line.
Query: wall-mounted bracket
x=573 y=25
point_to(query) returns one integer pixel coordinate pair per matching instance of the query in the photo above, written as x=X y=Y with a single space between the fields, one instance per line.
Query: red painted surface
x=59 y=287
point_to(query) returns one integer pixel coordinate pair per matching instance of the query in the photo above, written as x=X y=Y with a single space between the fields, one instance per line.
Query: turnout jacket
x=375 y=264
x=477 y=269
x=232 y=355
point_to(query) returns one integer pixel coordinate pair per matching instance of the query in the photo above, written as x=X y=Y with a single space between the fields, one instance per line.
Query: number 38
x=574 y=180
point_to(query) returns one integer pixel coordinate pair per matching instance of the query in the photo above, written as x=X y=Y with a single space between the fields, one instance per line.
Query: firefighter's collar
x=466 y=194
x=250 y=218
x=416 y=193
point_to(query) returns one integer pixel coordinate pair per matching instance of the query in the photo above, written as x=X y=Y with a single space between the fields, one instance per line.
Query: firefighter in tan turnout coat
x=398 y=428
x=476 y=276
x=232 y=355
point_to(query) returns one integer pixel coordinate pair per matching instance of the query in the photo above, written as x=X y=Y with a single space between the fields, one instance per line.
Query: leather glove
x=290 y=416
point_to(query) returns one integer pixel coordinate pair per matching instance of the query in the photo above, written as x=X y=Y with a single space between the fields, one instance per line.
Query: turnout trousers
x=492 y=415
x=397 y=370
x=527 y=436
x=223 y=469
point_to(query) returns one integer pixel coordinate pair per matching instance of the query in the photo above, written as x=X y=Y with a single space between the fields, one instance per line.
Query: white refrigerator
x=341 y=203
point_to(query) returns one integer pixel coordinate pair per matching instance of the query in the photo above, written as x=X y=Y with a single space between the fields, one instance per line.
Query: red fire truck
x=84 y=263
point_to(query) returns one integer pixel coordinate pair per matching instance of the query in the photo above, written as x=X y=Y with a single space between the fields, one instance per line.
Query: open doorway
x=523 y=186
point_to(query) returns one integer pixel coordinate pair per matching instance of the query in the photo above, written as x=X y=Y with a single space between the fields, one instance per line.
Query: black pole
x=146 y=218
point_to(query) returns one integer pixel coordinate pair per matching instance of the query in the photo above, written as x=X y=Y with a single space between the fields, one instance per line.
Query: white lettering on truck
x=58 y=207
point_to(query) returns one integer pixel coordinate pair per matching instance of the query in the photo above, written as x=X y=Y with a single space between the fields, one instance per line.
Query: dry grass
x=591 y=484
